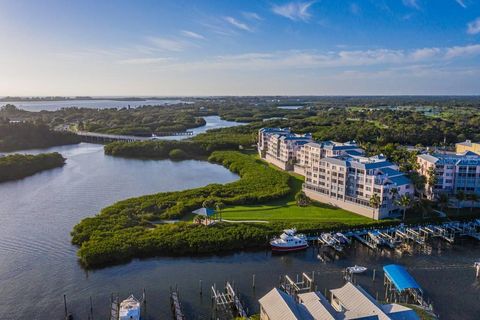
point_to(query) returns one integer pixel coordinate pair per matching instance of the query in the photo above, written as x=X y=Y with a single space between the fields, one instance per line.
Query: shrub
x=177 y=154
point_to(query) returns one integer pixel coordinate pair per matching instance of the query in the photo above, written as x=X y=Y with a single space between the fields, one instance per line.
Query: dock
x=227 y=304
x=176 y=305
x=398 y=237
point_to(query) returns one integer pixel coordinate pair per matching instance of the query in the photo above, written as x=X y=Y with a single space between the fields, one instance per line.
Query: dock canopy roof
x=207 y=212
x=400 y=278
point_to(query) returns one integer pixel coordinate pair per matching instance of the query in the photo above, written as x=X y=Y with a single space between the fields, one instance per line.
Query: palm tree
x=374 y=203
x=460 y=195
x=431 y=179
x=473 y=197
x=443 y=201
x=394 y=193
x=219 y=206
x=208 y=203
x=404 y=203
x=422 y=205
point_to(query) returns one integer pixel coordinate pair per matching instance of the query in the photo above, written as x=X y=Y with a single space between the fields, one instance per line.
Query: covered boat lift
x=400 y=286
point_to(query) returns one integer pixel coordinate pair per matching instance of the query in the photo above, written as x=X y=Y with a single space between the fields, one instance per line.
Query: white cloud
x=240 y=25
x=166 y=44
x=461 y=3
x=252 y=16
x=412 y=4
x=474 y=26
x=458 y=51
x=296 y=11
x=192 y=34
x=139 y=61
x=425 y=53
x=301 y=59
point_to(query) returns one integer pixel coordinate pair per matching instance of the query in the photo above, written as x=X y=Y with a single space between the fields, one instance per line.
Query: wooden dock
x=398 y=236
x=176 y=305
x=227 y=304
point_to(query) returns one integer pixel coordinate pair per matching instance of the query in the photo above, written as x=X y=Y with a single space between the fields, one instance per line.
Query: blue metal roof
x=400 y=278
x=400 y=180
x=204 y=212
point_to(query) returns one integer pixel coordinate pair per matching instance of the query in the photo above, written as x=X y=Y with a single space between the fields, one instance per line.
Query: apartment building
x=349 y=182
x=454 y=172
x=467 y=145
x=312 y=152
x=279 y=146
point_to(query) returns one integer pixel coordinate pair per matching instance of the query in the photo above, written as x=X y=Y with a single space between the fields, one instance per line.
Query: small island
x=18 y=166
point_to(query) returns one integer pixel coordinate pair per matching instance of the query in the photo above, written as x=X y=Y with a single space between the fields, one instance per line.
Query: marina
x=398 y=236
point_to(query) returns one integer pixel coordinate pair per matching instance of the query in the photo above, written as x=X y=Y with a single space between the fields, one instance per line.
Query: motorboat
x=129 y=309
x=332 y=241
x=356 y=269
x=342 y=239
x=327 y=239
x=289 y=240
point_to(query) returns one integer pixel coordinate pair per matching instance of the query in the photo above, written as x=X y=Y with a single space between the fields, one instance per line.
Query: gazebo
x=207 y=213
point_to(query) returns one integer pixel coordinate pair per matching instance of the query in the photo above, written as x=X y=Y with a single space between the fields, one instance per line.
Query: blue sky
x=324 y=47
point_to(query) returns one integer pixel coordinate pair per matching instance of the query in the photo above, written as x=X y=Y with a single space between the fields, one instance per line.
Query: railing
x=357 y=201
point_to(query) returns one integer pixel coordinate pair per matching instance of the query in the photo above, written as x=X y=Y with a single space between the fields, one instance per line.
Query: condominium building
x=467 y=145
x=312 y=152
x=279 y=146
x=454 y=173
x=349 y=181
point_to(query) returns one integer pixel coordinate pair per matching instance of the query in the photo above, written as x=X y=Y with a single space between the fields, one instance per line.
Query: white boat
x=327 y=239
x=289 y=240
x=129 y=309
x=342 y=239
x=356 y=269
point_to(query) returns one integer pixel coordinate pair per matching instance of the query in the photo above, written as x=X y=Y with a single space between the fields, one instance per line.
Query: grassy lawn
x=286 y=209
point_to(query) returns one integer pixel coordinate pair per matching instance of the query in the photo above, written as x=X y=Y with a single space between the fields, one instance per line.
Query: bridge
x=94 y=137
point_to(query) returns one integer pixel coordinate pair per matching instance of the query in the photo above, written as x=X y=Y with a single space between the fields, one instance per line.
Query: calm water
x=213 y=122
x=38 y=265
x=101 y=104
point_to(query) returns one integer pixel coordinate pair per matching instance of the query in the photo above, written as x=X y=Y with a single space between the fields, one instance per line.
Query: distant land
x=58 y=98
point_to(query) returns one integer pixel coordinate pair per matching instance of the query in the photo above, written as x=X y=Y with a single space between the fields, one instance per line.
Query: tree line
x=18 y=166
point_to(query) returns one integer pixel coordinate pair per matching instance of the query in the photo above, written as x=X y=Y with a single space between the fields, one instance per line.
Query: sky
x=239 y=47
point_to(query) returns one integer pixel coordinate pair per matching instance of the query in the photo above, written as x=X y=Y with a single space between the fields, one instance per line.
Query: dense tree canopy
x=18 y=166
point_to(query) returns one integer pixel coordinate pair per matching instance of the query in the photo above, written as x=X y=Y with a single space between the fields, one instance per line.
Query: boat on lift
x=342 y=239
x=289 y=240
x=377 y=238
x=356 y=269
x=331 y=241
x=327 y=239
x=130 y=309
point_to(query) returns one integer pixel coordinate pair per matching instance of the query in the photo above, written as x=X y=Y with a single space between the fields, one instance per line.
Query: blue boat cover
x=400 y=278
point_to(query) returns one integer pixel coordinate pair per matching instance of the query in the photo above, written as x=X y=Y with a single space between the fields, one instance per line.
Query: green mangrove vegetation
x=28 y=135
x=104 y=237
x=17 y=166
